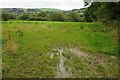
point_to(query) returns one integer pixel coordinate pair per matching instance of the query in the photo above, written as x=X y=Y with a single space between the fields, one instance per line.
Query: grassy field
x=48 y=49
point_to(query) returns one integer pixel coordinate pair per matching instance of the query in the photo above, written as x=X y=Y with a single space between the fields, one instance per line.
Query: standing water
x=61 y=71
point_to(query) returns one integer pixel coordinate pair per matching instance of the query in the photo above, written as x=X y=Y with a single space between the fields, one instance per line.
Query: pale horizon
x=57 y=4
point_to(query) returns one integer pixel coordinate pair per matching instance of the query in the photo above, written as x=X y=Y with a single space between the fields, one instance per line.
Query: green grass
x=26 y=45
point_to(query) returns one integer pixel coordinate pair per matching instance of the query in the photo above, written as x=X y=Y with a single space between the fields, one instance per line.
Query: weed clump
x=81 y=27
x=19 y=33
x=36 y=23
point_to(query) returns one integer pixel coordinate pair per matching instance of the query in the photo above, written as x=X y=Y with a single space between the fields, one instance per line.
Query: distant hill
x=29 y=10
x=50 y=9
x=81 y=10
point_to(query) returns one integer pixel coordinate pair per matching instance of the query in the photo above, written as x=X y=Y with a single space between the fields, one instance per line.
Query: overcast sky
x=59 y=4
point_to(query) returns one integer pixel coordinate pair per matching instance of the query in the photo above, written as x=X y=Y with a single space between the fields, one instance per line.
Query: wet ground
x=90 y=60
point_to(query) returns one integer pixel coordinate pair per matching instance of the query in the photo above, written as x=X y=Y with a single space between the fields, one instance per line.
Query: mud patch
x=97 y=64
x=61 y=71
x=77 y=52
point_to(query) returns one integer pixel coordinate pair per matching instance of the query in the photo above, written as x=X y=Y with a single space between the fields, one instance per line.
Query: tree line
x=97 y=11
x=71 y=16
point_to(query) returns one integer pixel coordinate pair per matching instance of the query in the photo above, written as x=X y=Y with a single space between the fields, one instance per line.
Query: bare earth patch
x=91 y=60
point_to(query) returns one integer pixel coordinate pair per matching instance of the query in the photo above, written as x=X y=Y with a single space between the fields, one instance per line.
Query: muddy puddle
x=89 y=59
x=61 y=70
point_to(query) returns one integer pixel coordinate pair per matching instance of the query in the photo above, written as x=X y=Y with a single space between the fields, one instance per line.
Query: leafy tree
x=75 y=17
x=7 y=16
x=24 y=16
x=101 y=11
x=42 y=14
x=57 y=17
